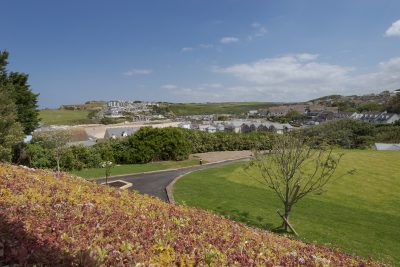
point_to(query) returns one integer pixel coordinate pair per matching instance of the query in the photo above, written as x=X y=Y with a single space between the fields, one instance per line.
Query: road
x=155 y=183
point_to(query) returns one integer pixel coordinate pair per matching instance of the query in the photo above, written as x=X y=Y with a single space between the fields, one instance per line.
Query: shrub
x=346 y=133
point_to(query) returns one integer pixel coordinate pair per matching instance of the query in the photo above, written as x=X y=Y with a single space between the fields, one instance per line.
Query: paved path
x=155 y=183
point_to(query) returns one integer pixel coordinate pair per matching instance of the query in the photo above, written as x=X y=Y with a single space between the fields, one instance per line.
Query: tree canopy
x=20 y=94
x=10 y=130
x=394 y=104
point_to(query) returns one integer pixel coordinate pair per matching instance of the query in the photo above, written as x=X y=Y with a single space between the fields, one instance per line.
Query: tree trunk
x=58 y=167
x=287 y=219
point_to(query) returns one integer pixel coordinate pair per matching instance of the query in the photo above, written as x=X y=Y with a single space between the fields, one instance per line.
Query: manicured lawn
x=64 y=117
x=359 y=214
x=94 y=173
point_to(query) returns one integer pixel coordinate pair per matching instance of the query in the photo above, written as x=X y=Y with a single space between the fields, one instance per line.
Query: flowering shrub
x=70 y=221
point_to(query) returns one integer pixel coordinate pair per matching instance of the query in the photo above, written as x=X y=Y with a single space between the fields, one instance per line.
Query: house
x=377 y=117
x=382 y=146
x=207 y=128
x=220 y=127
x=185 y=125
x=119 y=132
x=233 y=126
x=366 y=116
x=343 y=115
x=258 y=126
x=252 y=112
x=86 y=143
x=387 y=118
x=211 y=129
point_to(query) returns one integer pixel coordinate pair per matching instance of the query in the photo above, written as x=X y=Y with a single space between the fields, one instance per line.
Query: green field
x=64 y=117
x=182 y=109
x=94 y=173
x=359 y=214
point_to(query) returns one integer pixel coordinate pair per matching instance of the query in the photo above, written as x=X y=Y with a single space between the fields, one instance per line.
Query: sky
x=202 y=50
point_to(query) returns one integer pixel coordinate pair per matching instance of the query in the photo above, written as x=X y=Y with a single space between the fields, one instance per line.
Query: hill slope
x=69 y=221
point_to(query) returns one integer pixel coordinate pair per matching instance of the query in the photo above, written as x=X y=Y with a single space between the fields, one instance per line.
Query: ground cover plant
x=93 y=173
x=358 y=213
x=69 y=221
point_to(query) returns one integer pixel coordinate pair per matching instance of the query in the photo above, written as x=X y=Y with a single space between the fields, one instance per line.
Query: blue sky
x=202 y=50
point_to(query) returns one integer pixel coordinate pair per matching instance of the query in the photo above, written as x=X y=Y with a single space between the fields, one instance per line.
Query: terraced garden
x=67 y=221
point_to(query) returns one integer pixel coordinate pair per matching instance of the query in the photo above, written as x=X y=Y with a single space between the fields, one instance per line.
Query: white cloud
x=229 y=40
x=212 y=85
x=187 y=49
x=296 y=77
x=133 y=72
x=306 y=57
x=394 y=29
x=205 y=46
x=169 y=86
x=286 y=69
x=260 y=31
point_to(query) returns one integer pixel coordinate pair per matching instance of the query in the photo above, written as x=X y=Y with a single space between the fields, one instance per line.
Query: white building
x=382 y=146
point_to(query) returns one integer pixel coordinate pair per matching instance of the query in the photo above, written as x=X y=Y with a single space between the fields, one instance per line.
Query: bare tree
x=293 y=169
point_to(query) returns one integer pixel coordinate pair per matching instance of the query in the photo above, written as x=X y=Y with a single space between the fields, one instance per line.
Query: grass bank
x=359 y=214
x=94 y=173
x=64 y=117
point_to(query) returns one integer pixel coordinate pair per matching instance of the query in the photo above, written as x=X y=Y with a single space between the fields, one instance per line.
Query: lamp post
x=107 y=165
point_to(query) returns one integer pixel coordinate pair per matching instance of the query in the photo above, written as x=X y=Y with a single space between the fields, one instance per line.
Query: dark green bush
x=146 y=145
x=348 y=133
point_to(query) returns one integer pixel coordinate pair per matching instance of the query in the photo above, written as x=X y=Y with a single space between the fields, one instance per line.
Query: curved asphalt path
x=155 y=183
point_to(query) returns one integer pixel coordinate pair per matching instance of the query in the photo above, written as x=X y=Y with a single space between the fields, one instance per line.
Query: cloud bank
x=133 y=72
x=293 y=77
x=229 y=40
x=394 y=29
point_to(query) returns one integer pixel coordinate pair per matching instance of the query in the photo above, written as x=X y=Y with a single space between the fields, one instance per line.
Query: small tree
x=293 y=169
x=56 y=141
x=107 y=165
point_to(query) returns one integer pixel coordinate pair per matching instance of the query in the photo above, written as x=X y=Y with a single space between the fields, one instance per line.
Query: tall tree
x=11 y=131
x=21 y=95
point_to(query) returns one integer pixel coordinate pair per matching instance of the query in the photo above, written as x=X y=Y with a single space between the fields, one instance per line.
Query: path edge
x=170 y=187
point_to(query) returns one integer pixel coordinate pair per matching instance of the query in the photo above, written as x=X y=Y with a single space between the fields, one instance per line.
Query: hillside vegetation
x=183 y=109
x=359 y=213
x=67 y=221
x=63 y=116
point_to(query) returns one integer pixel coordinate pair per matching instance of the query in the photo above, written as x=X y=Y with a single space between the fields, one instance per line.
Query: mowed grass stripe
x=359 y=214
x=94 y=173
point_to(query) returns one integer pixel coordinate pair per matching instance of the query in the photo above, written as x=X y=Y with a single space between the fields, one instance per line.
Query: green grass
x=94 y=173
x=359 y=214
x=64 y=117
x=217 y=108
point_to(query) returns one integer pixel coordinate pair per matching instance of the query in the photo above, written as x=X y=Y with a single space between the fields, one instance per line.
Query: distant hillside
x=369 y=102
x=183 y=109
x=89 y=105
x=66 y=221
